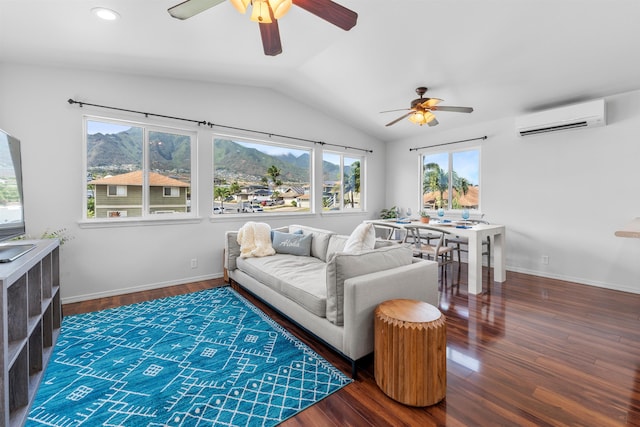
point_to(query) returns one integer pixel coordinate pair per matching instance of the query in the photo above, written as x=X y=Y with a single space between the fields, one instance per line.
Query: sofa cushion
x=319 y=242
x=336 y=244
x=292 y=243
x=343 y=266
x=361 y=239
x=301 y=279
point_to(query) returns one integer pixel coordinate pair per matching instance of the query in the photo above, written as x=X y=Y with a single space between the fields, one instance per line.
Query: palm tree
x=461 y=185
x=273 y=174
x=234 y=188
x=435 y=179
x=221 y=193
x=352 y=183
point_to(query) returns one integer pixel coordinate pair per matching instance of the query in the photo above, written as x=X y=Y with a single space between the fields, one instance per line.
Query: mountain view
x=121 y=152
x=235 y=162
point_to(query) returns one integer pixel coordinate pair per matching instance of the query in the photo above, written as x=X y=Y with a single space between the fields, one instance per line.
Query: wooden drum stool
x=410 y=361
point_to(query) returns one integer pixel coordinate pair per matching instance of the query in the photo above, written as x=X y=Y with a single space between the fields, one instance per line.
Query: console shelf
x=29 y=326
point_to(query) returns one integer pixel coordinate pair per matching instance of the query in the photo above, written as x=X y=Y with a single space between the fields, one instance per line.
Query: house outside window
x=451 y=180
x=137 y=170
x=342 y=182
x=257 y=177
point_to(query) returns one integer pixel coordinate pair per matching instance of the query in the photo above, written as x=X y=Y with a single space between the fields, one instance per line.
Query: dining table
x=476 y=233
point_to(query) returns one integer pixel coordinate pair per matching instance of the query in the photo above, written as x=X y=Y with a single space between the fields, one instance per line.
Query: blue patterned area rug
x=208 y=358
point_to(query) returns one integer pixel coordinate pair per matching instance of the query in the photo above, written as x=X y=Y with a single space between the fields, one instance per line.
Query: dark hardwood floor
x=527 y=352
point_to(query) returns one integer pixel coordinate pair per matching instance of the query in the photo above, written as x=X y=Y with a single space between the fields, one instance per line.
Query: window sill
x=136 y=222
x=344 y=212
x=257 y=216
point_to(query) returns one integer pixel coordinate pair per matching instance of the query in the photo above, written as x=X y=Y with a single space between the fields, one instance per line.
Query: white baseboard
x=113 y=292
x=580 y=280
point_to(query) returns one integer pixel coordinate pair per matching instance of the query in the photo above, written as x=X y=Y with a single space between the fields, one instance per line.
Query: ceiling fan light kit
x=260 y=12
x=421 y=109
x=267 y=12
x=422 y=117
x=260 y=8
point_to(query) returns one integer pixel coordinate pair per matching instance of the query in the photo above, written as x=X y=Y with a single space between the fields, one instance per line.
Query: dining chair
x=420 y=237
x=460 y=244
x=390 y=232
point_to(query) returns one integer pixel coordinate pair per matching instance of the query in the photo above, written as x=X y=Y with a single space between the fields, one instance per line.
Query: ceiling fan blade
x=270 y=34
x=453 y=109
x=433 y=121
x=331 y=12
x=392 y=111
x=399 y=118
x=431 y=102
x=189 y=8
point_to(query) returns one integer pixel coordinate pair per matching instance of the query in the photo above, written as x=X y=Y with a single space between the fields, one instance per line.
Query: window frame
x=147 y=214
x=343 y=209
x=450 y=166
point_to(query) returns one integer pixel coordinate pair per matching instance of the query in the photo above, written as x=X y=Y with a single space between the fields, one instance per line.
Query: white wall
x=106 y=261
x=562 y=195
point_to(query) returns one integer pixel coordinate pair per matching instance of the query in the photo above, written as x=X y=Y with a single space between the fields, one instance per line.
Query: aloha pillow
x=292 y=243
x=283 y=230
x=363 y=238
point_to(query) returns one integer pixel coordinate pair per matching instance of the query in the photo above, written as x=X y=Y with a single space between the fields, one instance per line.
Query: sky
x=105 y=128
x=272 y=150
x=465 y=163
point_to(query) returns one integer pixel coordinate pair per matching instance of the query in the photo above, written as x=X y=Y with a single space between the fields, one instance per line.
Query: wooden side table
x=410 y=361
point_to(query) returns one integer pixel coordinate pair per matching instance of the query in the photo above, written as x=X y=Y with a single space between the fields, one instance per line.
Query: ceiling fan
x=267 y=12
x=421 y=111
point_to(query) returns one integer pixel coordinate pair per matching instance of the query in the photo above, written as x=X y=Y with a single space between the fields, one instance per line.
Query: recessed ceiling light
x=106 y=14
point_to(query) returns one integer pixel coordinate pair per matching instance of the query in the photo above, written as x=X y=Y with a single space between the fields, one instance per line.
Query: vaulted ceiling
x=502 y=57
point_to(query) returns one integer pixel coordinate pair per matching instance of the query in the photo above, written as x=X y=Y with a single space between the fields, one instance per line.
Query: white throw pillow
x=363 y=238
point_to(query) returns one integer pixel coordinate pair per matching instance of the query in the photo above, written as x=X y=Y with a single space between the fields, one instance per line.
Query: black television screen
x=11 y=195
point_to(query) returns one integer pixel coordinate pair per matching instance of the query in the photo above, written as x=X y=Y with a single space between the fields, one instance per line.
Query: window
x=117 y=190
x=171 y=192
x=341 y=188
x=136 y=170
x=251 y=176
x=451 y=180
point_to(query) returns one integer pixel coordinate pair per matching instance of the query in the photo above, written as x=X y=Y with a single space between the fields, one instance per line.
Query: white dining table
x=476 y=233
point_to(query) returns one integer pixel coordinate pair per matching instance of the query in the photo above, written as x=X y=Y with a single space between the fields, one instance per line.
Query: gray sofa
x=330 y=293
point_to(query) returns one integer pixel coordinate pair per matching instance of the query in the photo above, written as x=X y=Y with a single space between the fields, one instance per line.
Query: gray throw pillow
x=292 y=243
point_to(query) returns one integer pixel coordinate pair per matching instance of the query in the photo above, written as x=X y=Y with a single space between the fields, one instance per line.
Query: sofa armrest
x=231 y=250
x=362 y=295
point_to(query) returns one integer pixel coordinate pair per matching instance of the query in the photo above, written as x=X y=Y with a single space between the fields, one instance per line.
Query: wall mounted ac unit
x=576 y=116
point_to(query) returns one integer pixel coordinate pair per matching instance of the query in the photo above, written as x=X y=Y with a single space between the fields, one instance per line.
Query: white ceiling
x=502 y=57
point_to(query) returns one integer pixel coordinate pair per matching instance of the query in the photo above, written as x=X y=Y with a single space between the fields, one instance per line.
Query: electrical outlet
x=194 y=262
x=545 y=259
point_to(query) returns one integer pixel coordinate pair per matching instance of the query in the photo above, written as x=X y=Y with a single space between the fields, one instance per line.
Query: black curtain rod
x=211 y=125
x=82 y=104
x=448 y=143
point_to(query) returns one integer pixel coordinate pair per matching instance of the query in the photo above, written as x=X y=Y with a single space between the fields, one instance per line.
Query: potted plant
x=390 y=213
x=425 y=217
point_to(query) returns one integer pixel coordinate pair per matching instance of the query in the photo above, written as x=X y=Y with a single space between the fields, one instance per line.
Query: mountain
x=235 y=162
x=122 y=151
